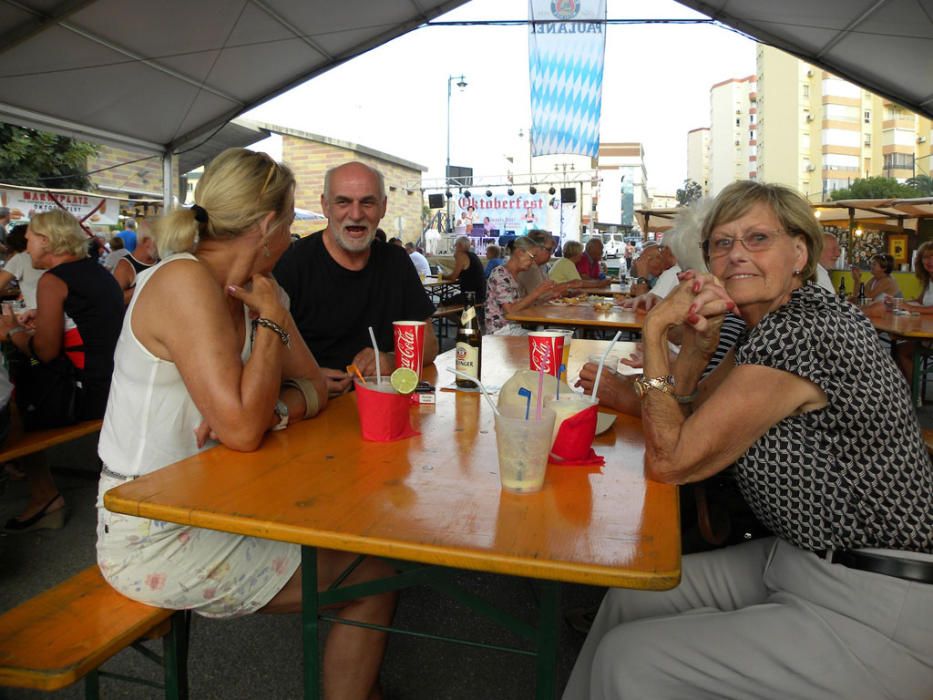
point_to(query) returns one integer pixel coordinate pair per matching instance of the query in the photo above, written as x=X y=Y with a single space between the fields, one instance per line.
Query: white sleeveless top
x=150 y=419
x=928 y=294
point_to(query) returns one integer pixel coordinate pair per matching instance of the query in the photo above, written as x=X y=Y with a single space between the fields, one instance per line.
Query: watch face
x=639 y=387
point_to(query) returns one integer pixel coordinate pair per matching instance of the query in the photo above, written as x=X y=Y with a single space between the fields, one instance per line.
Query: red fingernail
x=231 y=289
x=696 y=287
x=692 y=310
x=693 y=319
x=730 y=305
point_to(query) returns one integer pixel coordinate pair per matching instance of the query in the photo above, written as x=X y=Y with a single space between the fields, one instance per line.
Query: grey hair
x=463 y=240
x=378 y=175
x=684 y=240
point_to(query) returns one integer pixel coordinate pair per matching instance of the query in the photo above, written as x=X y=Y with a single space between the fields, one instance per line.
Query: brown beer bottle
x=469 y=343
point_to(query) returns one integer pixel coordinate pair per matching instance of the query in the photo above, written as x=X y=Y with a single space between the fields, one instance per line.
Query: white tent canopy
x=886 y=46
x=165 y=76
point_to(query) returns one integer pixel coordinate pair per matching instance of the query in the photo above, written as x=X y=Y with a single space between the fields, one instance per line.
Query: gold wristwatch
x=663 y=384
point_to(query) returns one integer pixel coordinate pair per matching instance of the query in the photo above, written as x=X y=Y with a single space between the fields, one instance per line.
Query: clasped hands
x=698 y=306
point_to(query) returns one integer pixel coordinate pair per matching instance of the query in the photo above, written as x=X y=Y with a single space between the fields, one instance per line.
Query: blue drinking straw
x=563 y=368
x=527 y=394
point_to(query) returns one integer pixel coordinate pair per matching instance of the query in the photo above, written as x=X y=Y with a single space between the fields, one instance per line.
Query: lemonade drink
x=523 y=447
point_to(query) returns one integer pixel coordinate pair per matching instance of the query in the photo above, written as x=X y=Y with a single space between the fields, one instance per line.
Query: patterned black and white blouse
x=855 y=473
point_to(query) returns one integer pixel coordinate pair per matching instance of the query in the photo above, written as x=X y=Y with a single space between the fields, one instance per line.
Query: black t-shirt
x=334 y=307
x=472 y=278
x=95 y=304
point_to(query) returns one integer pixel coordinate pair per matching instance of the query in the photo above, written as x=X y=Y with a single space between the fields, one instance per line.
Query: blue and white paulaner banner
x=566 y=47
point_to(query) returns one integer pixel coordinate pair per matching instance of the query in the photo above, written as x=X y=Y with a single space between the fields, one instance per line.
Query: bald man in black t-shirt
x=341 y=281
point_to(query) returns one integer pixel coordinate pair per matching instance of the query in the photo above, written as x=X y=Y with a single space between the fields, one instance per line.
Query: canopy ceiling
x=165 y=75
x=886 y=46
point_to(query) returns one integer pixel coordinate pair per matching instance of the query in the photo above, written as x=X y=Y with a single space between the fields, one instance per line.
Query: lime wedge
x=404 y=380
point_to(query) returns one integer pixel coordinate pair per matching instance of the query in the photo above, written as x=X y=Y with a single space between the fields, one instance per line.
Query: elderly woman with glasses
x=504 y=294
x=838 y=603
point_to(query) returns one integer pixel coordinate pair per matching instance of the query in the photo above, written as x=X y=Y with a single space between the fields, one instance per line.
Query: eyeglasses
x=530 y=255
x=754 y=242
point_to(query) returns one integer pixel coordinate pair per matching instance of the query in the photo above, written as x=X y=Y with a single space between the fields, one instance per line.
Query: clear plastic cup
x=523 y=447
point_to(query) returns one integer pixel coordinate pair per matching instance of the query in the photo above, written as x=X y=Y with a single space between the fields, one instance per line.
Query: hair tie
x=200 y=213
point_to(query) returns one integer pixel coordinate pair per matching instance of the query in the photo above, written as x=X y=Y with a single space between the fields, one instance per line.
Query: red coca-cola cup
x=409 y=345
x=545 y=350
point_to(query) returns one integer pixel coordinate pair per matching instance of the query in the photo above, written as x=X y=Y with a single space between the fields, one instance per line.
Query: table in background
x=582 y=315
x=917 y=328
x=441 y=291
x=610 y=291
x=433 y=499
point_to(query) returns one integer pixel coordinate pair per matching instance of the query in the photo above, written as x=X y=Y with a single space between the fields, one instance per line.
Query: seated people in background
x=801 y=608
x=588 y=264
x=923 y=304
x=422 y=266
x=128 y=235
x=881 y=285
x=828 y=260
x=117 y=251
x=145 y=256
x=537 y=273
x=564 y=270
x=663 y=258
x=341 y=282
x=468 y=270
x=493 y=259
x=19 y=267
x=231 y=381
x=76 y=286
x=504 y=294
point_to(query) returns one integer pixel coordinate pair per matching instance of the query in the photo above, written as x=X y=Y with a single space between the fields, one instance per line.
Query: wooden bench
x=20 y=443
x=67 y=632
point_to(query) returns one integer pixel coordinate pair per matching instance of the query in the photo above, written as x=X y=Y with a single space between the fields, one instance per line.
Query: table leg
x=547 y=640
x=915 y=392
x=309 y=623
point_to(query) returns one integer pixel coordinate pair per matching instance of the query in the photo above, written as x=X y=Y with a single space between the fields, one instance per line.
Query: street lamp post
x=461 y=83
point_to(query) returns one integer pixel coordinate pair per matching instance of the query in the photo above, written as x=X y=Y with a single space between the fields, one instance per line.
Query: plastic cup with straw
x=602 y=362
x=527 y=394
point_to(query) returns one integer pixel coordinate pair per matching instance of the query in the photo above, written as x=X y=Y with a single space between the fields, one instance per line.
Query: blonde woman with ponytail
x=210 y=353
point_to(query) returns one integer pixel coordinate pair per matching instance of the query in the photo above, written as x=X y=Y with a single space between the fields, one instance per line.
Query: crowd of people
x=775 y=378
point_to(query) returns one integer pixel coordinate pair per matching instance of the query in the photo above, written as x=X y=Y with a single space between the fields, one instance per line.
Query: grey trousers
x=763 y=619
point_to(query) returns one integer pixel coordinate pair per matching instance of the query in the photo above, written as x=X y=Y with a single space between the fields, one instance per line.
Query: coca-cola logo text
x=406 y=348
x=542 y=354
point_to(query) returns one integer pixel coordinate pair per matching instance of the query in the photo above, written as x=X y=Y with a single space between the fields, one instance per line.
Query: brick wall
x=144 y=176
x=311 y=159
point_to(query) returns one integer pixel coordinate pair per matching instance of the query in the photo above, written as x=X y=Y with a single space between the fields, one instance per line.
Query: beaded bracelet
x=275 y=328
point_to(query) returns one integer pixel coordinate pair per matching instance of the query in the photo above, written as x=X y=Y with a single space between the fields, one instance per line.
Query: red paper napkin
x=573 y=444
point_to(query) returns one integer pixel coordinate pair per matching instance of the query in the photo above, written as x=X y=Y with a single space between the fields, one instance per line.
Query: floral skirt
x=215 y=574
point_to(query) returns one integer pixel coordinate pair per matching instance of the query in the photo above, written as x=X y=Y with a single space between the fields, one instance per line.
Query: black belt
x=907 y=569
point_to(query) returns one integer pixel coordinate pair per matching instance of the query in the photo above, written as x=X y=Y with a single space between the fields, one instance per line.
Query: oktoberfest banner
x=566 y=47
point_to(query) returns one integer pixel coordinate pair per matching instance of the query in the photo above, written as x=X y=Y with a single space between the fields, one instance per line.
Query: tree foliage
x=32 y=158
x=922 y=184
x=874 y=188
x=689 y=193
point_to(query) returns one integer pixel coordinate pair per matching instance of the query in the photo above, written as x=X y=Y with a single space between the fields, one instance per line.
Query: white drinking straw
x=599 y=370
x=478 y=383
x=372 y=337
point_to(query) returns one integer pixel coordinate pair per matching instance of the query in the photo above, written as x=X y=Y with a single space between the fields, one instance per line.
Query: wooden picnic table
x=582 y=315
x=916 y=328
x=433 y=499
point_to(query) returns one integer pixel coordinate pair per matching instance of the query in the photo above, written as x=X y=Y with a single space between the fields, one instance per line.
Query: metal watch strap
x=281 y=410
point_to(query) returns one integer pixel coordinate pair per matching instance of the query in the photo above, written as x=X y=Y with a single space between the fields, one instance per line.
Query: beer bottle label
x=467 y=359
x=469 y=313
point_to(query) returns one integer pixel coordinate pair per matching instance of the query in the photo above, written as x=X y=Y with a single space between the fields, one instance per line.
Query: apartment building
x=817 y=133
x=733 y=132
x=623 y=186
x=698 y=157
